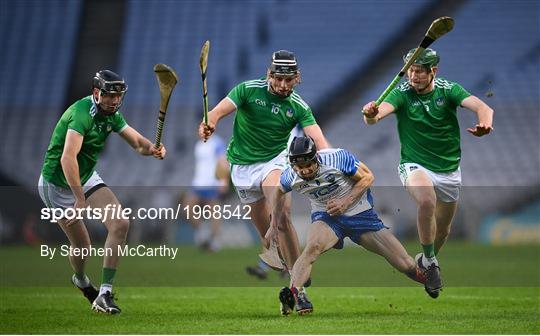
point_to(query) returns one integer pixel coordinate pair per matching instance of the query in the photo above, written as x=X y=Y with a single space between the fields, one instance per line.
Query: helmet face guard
x=109 y=82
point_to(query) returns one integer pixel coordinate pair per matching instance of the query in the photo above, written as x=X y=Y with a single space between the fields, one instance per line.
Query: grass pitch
x=35 y=295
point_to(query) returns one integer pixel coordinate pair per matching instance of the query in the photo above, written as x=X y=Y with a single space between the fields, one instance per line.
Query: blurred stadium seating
x=38 y=43
x=495 y=46
x=488 y=50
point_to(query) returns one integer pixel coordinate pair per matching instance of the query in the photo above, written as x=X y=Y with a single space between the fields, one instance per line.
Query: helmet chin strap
x=274 y=91
x=99 y=103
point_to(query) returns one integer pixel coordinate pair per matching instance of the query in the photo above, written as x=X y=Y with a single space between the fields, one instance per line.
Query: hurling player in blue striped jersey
x=337 y=185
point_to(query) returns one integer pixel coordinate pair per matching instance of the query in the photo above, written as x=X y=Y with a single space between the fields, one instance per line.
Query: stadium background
x=348 y=52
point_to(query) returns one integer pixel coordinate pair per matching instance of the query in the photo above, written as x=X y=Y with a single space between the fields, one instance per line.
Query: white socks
x=105 y=288
x=426 y=262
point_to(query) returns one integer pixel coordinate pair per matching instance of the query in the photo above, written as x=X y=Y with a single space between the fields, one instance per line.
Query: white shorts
x=59 y=197
x=446 y=184
x=247 y=179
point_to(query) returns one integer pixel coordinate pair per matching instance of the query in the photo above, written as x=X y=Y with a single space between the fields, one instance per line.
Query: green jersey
x=263 y=122
x=81 y=117
x=427 y=124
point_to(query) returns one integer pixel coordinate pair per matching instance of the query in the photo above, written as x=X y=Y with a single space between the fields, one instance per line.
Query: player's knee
x=427 y=205
x=120 y=227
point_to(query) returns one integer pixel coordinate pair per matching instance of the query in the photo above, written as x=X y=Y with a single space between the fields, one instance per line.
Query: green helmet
x=427 y=58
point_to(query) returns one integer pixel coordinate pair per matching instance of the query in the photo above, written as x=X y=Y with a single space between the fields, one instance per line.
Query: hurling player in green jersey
x=426 y=112
x=69 y=180
x=267 y=109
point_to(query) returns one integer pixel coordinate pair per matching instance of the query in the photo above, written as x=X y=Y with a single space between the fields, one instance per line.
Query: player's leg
x=260 y=271
x=190 y=201
x=287 y=236
x=76 y=232
x=269 y=258
x=420 y=187
x=385 y=244
x=247 y=180
x=215 y=226
x=260 y=217
x=78 y=237
x=320 y=239
x=204 y=197
x=444 y=215
x=116 y=237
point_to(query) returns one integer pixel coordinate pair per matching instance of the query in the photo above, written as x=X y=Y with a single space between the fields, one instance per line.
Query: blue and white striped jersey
x=331 y=182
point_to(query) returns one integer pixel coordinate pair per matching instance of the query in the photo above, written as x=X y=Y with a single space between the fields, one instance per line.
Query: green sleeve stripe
x=255 y=81
x=250 y=86
x=299 y=100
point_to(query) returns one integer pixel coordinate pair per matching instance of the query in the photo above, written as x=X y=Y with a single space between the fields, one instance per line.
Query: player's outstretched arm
x=141 y=144
x=484 y=113
x=364 y=179
x=373 y=113
x=222 y=109
x=315 y=132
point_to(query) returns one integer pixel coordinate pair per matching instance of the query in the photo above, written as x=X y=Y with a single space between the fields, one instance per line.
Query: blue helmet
x=302 y=149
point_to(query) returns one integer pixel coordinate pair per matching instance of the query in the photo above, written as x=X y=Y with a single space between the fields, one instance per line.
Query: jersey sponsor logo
x=323 y=191
x=439 y=101
x=260 y=102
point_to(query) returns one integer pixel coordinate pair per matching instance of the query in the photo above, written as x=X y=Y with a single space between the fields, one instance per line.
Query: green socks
x=108 y=275
x=429 y=250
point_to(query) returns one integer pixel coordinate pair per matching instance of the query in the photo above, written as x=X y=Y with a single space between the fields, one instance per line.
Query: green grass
x=489 y=290
x=249 y=310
